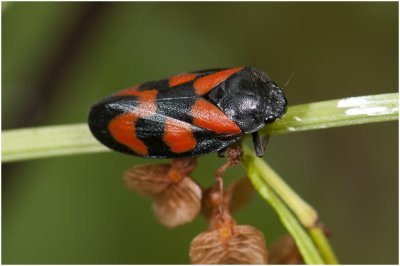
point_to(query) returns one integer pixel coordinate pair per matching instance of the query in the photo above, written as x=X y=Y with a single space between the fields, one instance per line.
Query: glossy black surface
x=250 y=99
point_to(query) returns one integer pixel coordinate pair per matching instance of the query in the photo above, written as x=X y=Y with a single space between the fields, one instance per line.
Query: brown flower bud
x=184 y=166
x=228 y=243
x=176 y=197
x=239 y=193
x=179 y=204
x=148 y=180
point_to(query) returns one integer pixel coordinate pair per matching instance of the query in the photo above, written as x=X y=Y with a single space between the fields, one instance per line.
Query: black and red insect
x=188 y=114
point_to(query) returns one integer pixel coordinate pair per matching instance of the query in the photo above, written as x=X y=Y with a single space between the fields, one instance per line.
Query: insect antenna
x=288 y=80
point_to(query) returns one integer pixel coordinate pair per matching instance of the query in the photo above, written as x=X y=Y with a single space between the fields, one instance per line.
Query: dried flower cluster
x=225 y=242
x=178 y=199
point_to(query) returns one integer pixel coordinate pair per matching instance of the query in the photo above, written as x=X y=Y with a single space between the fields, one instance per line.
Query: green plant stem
x=323 y=245
x=304 y=212
x=336 y=113
x=41 y=142
x=307 y=247
x=293 y=210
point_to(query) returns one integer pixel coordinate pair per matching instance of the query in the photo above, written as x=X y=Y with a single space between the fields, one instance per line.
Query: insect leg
x=221 y=152
x=258 y=145
x=234 y=155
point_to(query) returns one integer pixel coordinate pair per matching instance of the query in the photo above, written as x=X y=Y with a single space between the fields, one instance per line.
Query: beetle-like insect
x=188 y=114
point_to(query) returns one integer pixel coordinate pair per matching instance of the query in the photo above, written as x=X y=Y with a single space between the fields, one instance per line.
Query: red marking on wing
x=127 y=92
x=123 y=130
x=178 y=136
x=207 y=83
x=146 y=100
x=181 y=78
x=207 y=115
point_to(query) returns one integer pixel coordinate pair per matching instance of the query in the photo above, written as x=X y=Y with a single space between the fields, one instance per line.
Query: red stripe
x=207 y=83
x=207 y=115
x=127 y=92
x=181 y=78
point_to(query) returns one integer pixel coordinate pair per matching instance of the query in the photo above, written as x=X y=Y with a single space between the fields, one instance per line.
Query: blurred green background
x=59 y=58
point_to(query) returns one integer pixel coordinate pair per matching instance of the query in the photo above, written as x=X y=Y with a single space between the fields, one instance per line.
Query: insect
x=188 y=114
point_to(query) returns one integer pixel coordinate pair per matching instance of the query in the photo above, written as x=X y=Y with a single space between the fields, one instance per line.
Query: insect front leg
x=258 y=144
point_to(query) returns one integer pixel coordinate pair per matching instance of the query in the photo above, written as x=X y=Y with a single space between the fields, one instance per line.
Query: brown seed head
x=184 y=166
x=246 y=245
x=148 y=180
x=176 y=197
x=179 y=203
